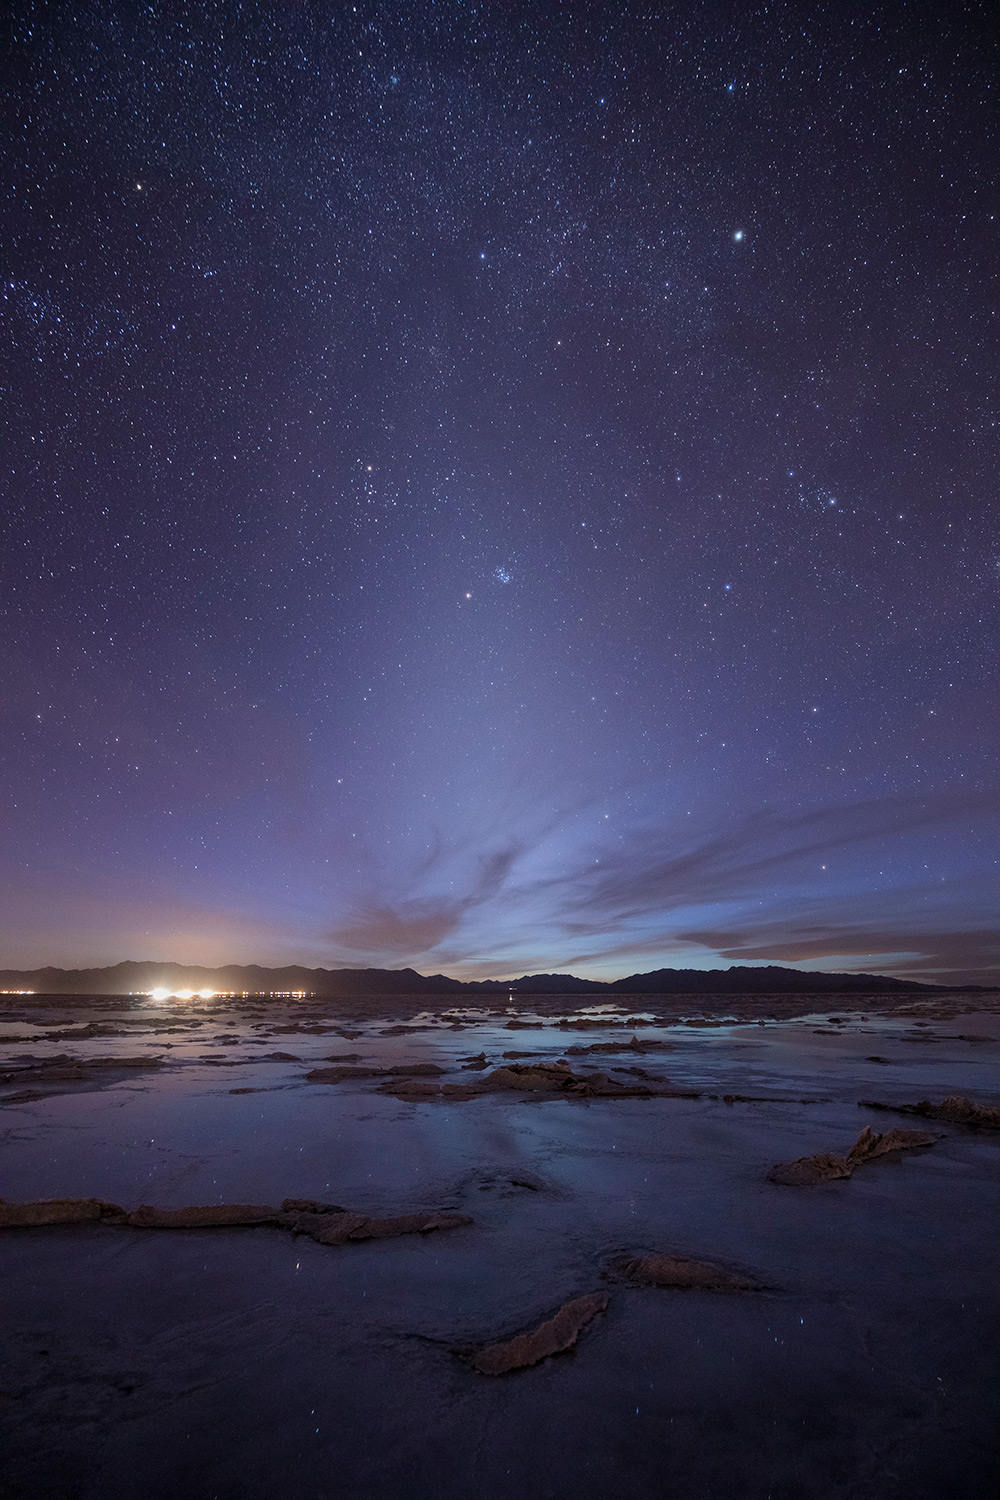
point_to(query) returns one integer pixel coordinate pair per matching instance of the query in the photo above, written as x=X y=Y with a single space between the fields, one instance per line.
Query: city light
x=165 y=994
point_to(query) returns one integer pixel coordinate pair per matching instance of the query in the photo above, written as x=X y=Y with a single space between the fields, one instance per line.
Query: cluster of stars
x=427 y=422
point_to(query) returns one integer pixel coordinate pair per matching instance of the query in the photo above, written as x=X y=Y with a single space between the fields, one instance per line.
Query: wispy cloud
x=662 y=872
x=411 y=928
x=614 y=905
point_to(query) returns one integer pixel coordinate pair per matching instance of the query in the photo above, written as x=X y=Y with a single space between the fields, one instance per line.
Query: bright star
x=738 y=235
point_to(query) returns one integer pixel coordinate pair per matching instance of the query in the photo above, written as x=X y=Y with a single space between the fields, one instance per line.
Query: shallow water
x=246 y=1363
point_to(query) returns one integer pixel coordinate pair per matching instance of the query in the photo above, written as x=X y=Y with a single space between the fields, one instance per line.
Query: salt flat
x=250 y=1362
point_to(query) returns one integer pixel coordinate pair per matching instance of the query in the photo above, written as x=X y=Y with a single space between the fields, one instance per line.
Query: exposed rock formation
x=209 y=1216
x=679 y=1271
x=556 y=1079
x=58 y=1211
x=955 y=1110
x=632 y=1046
x=806 y=1171
x=345 y=1074
x=309 y=1206
x=870 y=1144
x=75 y=1070
x=551 y=1337
x=327 y=1223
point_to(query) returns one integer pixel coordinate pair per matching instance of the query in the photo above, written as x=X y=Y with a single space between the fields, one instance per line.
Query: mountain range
x=137 y=978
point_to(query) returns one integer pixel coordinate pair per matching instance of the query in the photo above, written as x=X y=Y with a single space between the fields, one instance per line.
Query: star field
x=500 y=488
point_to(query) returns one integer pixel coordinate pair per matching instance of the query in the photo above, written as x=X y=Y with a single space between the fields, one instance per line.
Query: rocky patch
x=338 y=1229
x=955 y=1110
x=58 y=1211
x=635 y=1045
x=555 y=1080
x=826 y=1166
x=680 y=1272
x=556 y=1334
x=345 y=1074
x=208 y=1216
x=76 y=1070
x=326 y=1223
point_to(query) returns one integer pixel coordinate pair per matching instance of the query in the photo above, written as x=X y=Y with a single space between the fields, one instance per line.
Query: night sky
x=500 y=487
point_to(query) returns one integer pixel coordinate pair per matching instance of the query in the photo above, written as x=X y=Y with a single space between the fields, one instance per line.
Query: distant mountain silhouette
x=767 y=980
x=132 y=978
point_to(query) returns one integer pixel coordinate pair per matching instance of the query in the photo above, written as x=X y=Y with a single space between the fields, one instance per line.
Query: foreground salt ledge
x=554 y=1336
x=827 y=1166
x=326 y=1223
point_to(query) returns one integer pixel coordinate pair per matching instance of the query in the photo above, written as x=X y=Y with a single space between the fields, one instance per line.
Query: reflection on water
x=331 y=1372
x=231 y=1072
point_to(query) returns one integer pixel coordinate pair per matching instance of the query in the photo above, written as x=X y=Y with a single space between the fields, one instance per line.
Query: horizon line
x=756 y=966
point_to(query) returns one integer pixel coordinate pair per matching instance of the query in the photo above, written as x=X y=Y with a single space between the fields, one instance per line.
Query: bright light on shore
x=162 y=994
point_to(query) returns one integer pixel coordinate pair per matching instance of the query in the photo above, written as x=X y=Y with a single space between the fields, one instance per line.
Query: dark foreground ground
x=243 y=1363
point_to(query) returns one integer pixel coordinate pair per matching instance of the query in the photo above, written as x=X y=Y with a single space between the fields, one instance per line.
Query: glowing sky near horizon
x=500 y=488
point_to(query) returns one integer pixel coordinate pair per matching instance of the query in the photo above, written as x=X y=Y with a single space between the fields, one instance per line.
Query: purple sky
x=500 y=488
